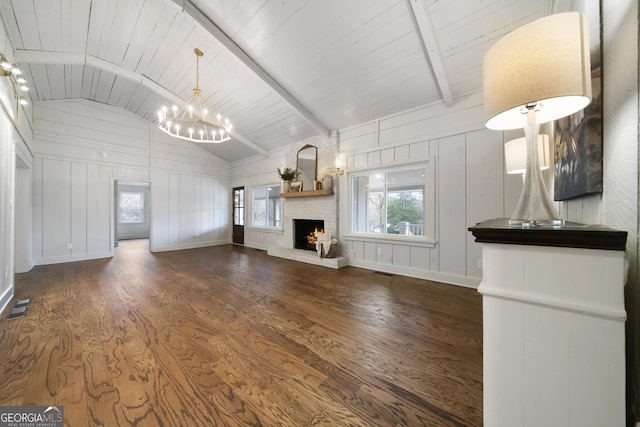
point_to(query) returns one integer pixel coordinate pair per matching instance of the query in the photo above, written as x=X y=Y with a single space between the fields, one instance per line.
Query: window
x=267 y=206
x=389 y=202
x=131 y=207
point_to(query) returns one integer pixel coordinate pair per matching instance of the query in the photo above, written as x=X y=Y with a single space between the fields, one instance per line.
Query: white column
x=553 y=336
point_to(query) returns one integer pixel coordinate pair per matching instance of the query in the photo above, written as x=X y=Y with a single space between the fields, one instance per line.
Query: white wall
x=617 y=206
x=15 y=140
x=470 y=186
x=7 y=166
x=82 y=147
x=189 y=210
x=621 y=197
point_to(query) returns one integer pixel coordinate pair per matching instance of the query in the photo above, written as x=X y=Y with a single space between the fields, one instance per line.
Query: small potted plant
x=287 y=175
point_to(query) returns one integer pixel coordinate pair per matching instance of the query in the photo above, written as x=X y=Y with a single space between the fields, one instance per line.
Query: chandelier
x=191 y=122
x=11 y=70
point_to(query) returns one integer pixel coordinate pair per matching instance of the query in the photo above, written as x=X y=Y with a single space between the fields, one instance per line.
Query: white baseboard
x=435 y=276
x=192 y=245
x=70 y=258
x=258 y=246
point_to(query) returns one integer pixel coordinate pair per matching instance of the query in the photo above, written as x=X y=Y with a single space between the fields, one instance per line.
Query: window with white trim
x=131 y=207
x=390 y=202
x=266 y=206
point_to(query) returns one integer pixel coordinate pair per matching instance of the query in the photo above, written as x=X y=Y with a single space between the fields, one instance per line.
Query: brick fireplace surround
x=319 y=207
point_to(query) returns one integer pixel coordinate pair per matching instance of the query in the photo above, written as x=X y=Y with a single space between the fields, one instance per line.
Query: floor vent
x=382 y=273
x=20 y=309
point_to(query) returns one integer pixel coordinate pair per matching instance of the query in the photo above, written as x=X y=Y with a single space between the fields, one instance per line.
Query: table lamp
x=536 y=74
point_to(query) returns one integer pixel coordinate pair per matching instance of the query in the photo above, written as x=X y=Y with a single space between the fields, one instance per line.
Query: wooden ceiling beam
x=237 y=51
x=431 y=48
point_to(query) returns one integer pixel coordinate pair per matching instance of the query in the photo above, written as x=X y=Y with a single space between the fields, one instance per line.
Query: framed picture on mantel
x=295 y=186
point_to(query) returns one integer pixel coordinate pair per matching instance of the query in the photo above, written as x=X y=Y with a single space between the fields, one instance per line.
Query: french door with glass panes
x=238 y=215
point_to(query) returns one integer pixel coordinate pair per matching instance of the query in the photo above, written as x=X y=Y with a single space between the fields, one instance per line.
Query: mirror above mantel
x=307 y=166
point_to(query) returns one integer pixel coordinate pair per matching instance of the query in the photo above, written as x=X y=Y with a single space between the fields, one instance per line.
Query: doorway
x=132 y=210
x=238 y=216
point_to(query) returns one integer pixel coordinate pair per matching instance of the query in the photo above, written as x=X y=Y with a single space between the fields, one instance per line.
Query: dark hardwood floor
x=228 y=336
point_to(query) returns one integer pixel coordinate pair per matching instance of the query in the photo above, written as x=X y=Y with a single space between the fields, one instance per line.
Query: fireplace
x=305 y=232
x=324 y=211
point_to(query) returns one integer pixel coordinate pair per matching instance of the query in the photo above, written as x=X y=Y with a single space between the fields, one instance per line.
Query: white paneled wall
x=466 y=162
x=470 y=186
x=621 y=195
x=15 y=141
x=452 y=196
x=7 y=168
x=189 y=211
x=81 y=148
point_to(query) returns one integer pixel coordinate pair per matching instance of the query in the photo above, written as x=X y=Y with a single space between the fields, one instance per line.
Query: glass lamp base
x=535 y=207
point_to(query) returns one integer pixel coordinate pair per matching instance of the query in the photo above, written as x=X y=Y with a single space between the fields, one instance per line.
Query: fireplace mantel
x=310 y=193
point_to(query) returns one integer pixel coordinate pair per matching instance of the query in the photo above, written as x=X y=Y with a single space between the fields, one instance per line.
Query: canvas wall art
x=578 y=138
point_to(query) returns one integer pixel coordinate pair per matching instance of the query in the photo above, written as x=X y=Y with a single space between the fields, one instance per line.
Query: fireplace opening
x=305 y=232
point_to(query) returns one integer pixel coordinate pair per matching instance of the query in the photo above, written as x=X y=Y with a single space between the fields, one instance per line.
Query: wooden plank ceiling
x=281 y=70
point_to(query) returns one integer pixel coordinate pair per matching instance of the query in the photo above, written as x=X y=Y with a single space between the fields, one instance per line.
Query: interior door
x=238 y=215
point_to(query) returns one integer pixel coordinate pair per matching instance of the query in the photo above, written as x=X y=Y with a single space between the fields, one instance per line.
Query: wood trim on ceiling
x=237 y=51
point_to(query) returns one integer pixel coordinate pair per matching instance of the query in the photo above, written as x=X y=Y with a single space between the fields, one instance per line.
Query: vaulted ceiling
x=281 y=70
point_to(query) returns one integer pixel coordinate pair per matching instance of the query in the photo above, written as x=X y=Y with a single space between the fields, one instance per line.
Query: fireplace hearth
x=305 y=233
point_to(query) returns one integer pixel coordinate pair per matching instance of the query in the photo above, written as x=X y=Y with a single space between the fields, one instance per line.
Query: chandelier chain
x=198 y=53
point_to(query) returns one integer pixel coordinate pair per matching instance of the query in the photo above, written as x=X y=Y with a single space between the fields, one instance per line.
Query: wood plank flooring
x=228 y=336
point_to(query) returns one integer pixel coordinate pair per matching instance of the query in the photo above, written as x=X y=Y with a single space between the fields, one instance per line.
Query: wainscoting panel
x=401 y=255
x=186 y=209
x=452 y=195
x=79 y=184
x=484 y=187
x=419 y=258
x=206 y=217
x=99 y=209
x=56 y=200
